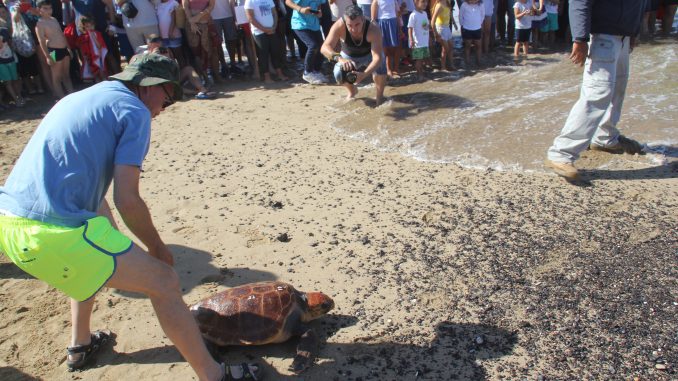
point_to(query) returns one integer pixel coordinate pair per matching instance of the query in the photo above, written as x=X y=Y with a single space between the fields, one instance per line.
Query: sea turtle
x=263 y=313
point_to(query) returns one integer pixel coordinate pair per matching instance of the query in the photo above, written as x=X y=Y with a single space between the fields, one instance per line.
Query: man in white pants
x=604 y=33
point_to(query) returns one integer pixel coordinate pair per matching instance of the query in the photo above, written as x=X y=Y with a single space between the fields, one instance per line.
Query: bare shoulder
x=373 y=32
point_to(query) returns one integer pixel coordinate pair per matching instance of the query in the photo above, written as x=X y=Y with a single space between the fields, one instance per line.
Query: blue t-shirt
x=67 y=166
x=309 y=21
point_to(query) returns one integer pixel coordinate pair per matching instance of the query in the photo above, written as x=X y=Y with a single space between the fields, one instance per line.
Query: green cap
x=150 y=69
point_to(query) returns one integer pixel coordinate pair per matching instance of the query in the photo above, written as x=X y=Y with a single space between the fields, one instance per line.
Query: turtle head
x=318 y=305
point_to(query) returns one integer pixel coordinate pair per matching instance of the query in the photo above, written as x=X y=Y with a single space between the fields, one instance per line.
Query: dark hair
x=42 y=3
x=84 y=20
x=153 y=38
x=353 y=11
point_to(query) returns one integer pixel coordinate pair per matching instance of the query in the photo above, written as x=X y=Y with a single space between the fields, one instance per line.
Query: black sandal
x=87 y=352
x=249 y=372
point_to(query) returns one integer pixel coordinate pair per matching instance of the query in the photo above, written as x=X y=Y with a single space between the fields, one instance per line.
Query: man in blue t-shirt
x=56 y=224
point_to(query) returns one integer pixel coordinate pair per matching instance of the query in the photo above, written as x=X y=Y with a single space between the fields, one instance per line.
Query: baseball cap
x=150 y=69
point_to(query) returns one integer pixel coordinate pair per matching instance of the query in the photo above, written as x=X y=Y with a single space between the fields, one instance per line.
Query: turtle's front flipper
x=307 y=350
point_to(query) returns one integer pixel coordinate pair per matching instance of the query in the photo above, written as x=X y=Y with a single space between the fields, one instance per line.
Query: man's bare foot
x=352 y=93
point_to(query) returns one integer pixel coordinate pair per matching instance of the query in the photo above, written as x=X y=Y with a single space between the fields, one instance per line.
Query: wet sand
x=438 y=272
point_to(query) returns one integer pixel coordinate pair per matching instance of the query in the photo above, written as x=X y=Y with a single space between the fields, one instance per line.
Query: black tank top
x=349 y=47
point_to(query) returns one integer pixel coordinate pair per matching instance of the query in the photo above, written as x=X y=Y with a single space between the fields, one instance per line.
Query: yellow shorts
x=77 y=261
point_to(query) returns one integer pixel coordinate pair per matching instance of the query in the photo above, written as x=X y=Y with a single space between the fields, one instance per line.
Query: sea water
x=506 y=116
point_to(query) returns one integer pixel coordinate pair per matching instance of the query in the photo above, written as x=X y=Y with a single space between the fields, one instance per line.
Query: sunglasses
x=169 y=100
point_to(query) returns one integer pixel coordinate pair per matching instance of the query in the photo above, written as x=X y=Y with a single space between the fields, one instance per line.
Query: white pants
x=137 y=36
x=594 y=117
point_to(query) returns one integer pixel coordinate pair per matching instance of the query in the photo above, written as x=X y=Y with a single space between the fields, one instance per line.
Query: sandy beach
x=438 y=272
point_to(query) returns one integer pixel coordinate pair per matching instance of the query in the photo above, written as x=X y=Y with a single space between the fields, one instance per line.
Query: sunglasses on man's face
x=169 y=100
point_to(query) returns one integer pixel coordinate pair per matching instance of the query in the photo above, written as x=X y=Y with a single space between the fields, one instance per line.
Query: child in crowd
x=166 y=11
x=417 y=30
x=550 y=27
x=538 y=21
x=8 y=73
x=388 y=14
x=93 y=51
x=406 y=9
x=54 y=46
x=263 y=18
x=471 y=18
x=522 y=11
x=442 y=15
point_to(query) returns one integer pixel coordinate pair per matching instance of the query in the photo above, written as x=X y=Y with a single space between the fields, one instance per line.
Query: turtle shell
x=252 y=314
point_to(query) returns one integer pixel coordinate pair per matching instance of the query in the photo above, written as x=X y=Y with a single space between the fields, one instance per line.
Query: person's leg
x=317 y=57
x=139 y=272
x=667 y=20
x=526 y=46
x=595 y=98
x=277 y=56
x=263 y=48
x=65 y=67
x=55 y=75
x=307 y=37
x=486 y=34
x=420 y=70
x=443 y=56
x=380 y=85
x=467 y=51
x=607 y=133
x=501 y=19
x=516 y=50
x=511 y=23
x=479 y=49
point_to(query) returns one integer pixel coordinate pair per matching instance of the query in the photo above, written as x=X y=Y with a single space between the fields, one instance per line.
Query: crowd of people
x=50 y=45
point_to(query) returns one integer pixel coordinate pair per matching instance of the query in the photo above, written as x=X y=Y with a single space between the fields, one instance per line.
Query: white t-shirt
x=164 y=13
x=388 y=9
x=222 y=10
x=420 y=26
x=551 y=7
x=145 y=17
x=524 y=22
x=489 y=7
x=263 y=13
x=364 y=2
x=339 y=8
x=471 y=16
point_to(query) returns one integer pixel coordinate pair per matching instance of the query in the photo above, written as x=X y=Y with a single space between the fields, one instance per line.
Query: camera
x=349 y=76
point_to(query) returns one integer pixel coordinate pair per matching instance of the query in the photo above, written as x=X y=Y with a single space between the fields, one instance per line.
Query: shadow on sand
x=8 y=373
x=454 y=354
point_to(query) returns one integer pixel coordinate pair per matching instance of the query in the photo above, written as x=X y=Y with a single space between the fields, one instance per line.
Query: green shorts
x=77 y=261
x=420 y=53
x=8 y=72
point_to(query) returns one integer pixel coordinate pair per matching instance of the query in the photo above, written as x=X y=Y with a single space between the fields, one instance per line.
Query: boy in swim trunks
x=53 y=44
x=56 y=225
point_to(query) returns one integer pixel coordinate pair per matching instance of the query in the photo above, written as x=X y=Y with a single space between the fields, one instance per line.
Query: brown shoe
x=624 y=145
x=563 y=169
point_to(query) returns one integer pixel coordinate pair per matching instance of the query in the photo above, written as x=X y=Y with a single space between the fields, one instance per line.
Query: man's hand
x=580 y=50
x=162 y=253
x=359 y=76
x=346 y=65
x=50 y=61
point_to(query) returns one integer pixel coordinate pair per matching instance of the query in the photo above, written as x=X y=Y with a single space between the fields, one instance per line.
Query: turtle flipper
x=307 y=350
